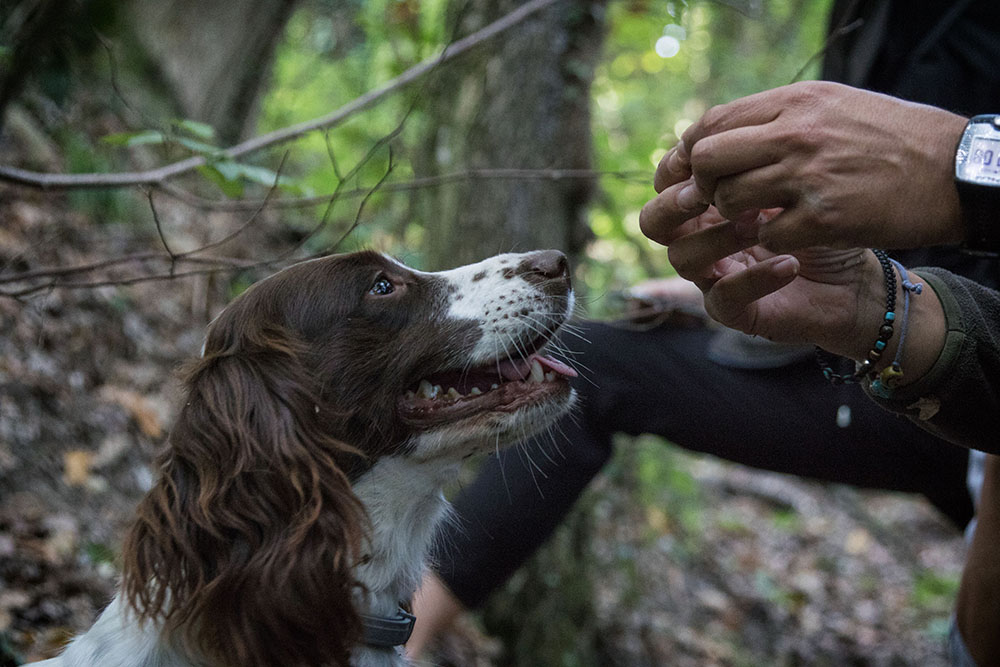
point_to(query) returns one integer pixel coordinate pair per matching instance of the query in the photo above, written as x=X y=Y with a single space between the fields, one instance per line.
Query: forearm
x=958 y=396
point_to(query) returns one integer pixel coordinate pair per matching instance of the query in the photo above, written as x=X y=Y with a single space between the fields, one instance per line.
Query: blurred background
x=543 y=135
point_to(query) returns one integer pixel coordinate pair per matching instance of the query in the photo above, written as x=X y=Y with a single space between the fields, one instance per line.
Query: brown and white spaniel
x=301 y=485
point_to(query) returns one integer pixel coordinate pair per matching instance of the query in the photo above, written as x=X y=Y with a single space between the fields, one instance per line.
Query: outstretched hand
x=829 y=297
x=847 y=168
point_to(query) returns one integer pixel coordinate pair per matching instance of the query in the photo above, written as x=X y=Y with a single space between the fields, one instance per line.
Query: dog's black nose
x=546 y=265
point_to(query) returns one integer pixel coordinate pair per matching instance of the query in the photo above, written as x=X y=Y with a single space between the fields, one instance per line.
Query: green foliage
x=644 y=98
x=642 y=101
x=98 y=552
x=933 y=591
x=104 y=206
x=197 y=138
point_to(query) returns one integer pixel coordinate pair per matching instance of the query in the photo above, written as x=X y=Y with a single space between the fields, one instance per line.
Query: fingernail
x=786 y=267
x=690 y=197
x=677 y=159
x=682 y=153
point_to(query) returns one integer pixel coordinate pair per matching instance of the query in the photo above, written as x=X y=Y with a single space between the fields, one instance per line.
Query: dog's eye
x=382 y=287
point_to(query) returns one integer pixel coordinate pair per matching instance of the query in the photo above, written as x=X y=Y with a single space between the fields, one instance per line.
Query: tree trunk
x=521 y=101
x=214 y=56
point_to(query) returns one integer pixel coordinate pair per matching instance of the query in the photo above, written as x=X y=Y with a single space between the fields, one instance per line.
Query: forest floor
x=682 y=560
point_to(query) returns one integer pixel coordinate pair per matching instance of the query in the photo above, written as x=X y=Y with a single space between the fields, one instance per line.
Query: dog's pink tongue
x=520 y=369
x=556 y=366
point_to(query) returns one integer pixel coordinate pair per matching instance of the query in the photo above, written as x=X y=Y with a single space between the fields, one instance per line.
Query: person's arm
x=836 y=299
x=958 y=396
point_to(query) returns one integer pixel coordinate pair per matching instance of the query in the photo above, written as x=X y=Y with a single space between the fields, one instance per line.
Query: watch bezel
x=983 y=126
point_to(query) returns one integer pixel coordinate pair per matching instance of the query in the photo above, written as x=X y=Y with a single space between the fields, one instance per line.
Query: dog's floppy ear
x=244 y=548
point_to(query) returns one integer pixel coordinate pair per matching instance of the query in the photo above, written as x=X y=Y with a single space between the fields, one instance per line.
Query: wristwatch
x=977 y=177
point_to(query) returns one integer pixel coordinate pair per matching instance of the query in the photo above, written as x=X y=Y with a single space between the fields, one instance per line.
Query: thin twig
x=257 y=211
x=159 y=227
x=361 y=206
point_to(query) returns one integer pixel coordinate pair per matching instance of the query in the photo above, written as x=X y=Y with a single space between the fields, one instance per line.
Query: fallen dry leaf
x=138 y=406
x=76 y=467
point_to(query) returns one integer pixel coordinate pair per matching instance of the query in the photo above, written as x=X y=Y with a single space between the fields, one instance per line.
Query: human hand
x=849 y=168
x=835 y=299
x=832 y=298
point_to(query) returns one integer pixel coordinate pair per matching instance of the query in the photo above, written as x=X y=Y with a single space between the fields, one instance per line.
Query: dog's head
x=245 y=547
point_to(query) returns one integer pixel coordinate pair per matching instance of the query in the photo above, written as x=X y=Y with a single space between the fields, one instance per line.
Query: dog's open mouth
x=502 y=386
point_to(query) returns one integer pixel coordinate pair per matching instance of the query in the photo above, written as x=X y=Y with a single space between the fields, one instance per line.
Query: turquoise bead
x=879 y=389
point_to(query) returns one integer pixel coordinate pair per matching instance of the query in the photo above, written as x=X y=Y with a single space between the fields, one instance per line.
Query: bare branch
x=405 y=186
x=162 y=174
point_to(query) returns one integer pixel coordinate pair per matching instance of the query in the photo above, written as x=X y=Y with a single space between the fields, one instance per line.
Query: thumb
x=731 y=299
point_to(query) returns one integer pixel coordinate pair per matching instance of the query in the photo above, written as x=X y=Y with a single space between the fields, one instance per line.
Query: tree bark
x=214 y=56
x=520 y=103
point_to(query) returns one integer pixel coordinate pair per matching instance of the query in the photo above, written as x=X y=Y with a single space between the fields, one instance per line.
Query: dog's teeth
x=427 y=390
x=550 y=377
x=537 y=374
x=410 y=396
x=494 y=386
x=475 y=391
x=437 y=391
x=453 y=394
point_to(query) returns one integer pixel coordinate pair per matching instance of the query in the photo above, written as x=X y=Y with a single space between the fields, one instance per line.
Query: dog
x=299 y=491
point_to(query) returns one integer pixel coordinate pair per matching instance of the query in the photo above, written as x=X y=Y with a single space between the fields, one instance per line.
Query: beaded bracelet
x=892 y=375
x=825 y=359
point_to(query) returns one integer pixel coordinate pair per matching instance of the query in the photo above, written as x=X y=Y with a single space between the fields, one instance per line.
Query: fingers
x=765 y=187
x=674 y=167
x=758 y=109
x=732 y=299
x=694 y=255
x=733 y=152
x=663 y=217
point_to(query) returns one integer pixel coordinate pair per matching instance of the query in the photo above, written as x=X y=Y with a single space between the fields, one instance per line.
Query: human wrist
x=872 y=300
x=865 y=337
x=950 y=226
x=926 y=333
x=899 y=330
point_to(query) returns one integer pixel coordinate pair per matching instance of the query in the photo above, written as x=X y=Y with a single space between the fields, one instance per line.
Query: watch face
x=978 y=156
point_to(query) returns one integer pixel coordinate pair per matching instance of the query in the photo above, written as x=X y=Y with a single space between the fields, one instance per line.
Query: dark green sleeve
x=959 y=398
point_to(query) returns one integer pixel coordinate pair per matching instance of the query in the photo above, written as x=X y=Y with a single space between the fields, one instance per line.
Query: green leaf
x=196 y=129
x=236 y=171
x=130 y=139
x=255 y=174
x=199 y=147
x=231 y=187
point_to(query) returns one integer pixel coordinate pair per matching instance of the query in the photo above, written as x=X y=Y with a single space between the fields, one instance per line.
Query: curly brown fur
x=236 y=548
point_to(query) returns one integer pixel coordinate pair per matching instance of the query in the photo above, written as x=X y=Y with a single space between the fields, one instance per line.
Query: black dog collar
x=387 y=631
